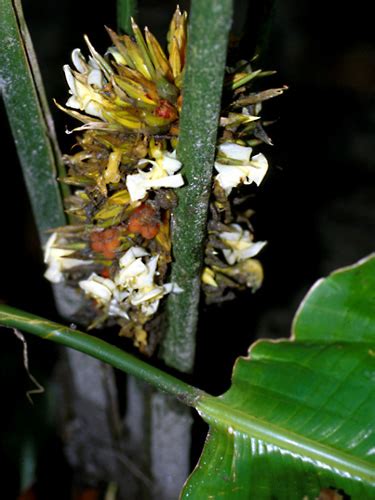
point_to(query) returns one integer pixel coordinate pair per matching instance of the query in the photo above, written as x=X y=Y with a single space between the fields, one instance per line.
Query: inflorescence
x=117 y=249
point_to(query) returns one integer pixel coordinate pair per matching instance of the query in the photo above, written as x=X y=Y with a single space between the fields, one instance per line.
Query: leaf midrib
x=218 y=413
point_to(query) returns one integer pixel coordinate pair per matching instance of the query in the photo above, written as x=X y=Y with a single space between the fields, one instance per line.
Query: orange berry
x=144 y=221
x=105 y=242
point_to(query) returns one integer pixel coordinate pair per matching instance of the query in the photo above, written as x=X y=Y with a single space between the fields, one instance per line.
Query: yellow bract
x=177 y=44
x=135 y=87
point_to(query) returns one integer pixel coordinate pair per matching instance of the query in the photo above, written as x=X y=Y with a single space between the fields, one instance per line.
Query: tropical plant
x=298 y=409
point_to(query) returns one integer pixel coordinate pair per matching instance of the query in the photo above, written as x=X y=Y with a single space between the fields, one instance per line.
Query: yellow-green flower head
x=129 y=101
x=134 y=87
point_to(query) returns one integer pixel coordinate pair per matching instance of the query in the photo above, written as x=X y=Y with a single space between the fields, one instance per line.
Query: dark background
x=316 y=207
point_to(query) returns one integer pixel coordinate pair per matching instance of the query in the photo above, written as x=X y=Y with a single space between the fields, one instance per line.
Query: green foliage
x=125 y=10
x=344 y=303
x=29 y=117
x=299 y=415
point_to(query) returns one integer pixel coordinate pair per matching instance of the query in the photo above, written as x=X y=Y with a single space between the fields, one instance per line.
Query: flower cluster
x=133 y=285
x=117 y=248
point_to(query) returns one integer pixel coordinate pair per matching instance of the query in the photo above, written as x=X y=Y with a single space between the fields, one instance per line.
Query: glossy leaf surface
x=344 y=303
x=299 y=415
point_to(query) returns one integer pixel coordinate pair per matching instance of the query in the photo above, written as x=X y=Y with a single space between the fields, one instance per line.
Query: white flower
x=91 y=69
x=133 y=285
x=235 y=151
x=132 y=254
x=84 y=85
x=137 y=277
x=58 y=261
x=240 y=243
x=83 y=96
x=168 y=162
x=149 y=308
x=250 y=170
x=98 y=287
x=134 y=273
x=162 y=174
x=116 y=310
x=104 y=291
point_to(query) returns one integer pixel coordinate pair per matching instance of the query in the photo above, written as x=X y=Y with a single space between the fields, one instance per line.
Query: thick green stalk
x=29 y=118
x=99 y=349
x=126 y=9
x=209 y=25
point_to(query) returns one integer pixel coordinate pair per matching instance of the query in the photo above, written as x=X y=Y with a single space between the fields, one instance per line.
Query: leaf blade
x=301 y=411
x=345 y=301
x=29 y=119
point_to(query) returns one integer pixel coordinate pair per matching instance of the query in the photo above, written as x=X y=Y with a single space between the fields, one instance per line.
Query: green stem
x=101 y=350
x=210 y=21
x=126 y=9
x=29 y=118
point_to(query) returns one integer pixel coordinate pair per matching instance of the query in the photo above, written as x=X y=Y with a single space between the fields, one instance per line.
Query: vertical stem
x=125 y=10
x=210 y=21
x=29 y=118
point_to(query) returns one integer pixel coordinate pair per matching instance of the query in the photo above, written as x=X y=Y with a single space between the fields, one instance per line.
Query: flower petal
x=143 y=296
x=127 y=276
x=54 y=274
x=136 y=184
x=235 y=151
x=169 y=181
x=257 y=174
x=79 y=61
x=139 y=184
x=97 y=287
x=132 y=254
x=116 y=310
x=170 y=163
x=229 y=176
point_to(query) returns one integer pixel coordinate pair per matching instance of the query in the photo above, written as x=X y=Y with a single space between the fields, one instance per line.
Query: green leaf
x=344 y=303
x=126 y=9
x=209 y=25
x=299 y=415
x=29 y=117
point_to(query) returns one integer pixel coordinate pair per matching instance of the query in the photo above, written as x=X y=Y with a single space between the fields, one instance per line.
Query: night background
x=316 y=207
